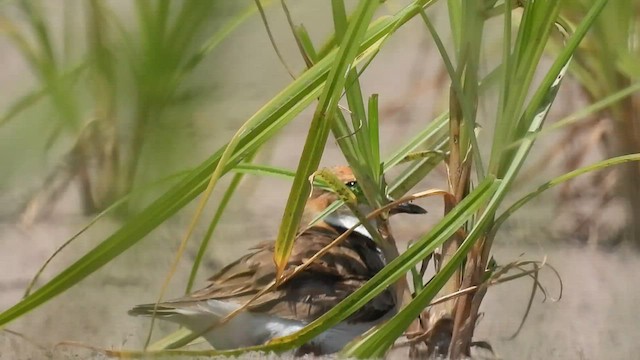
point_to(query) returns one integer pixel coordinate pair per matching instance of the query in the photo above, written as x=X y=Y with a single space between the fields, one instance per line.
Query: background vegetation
x=118 y=89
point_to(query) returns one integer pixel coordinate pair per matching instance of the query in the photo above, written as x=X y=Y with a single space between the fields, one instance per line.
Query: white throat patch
x=347 y=221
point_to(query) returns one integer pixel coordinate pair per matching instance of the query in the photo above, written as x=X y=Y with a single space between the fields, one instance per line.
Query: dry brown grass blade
x=27 y=339
x=263 y=16
x=536 y=285
x=72 y=165
x=529 y=302
x=419 y=155
x=498 y=277
x=307 y=60
x=40 y=204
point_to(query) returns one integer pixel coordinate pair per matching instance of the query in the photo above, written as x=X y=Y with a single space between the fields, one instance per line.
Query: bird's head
x=342 y=218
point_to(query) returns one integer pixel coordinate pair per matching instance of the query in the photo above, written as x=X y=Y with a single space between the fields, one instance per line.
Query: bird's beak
x=407 y=208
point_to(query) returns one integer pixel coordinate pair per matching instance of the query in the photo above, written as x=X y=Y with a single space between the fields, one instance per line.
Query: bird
x=295 y=303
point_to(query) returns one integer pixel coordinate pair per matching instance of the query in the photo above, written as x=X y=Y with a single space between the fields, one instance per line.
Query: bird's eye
x=351 y=184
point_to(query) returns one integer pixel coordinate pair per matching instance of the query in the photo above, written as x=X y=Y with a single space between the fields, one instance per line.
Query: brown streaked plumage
x=302 y=299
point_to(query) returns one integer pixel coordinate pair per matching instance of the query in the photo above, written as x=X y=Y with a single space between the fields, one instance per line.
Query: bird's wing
x=305 y=297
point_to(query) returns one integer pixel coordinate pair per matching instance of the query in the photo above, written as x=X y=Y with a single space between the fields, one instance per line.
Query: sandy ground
x=596 y=318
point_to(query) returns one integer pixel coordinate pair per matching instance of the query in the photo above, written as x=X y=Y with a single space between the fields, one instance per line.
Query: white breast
x=248 y=329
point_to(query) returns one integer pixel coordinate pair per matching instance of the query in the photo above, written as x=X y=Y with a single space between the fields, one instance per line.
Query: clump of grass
x=113 y=89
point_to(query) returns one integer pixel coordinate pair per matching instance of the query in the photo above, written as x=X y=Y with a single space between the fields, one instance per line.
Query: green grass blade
x=33 y=12
x=353 y=140
x=306 y=44
x=220 y=35
x=340 y=22
x=264 y=170
x=553 y=76
x=413 y=174
x=466 y=100
x=319 y=132
x=561 y=179
x=455 y=21
x=538 y=108
x=537 y=22
x=435 y=128
x=28 y=100
x=374 y=139
x=584 y=112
